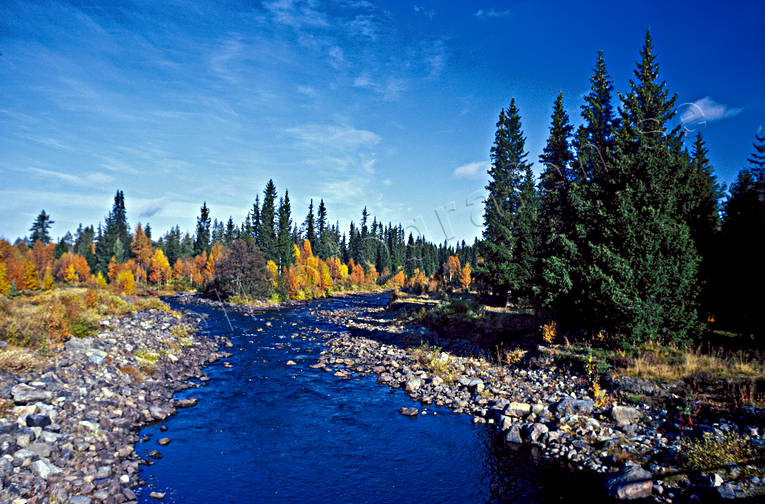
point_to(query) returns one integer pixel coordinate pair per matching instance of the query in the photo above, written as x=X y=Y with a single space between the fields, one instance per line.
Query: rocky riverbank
x=635 y=446
x=67 y=432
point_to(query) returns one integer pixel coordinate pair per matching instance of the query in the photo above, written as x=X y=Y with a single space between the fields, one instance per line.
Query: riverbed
x=266 y=431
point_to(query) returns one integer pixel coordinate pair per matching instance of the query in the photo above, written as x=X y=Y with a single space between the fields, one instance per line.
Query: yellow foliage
x=465 y=279
x=549 y=332
x=31 y=280
x=126 y=282
x=273 y=272
x=48 y=283
x=5 y=285
x=160 y=268
x=100 y=281
x=71 y=275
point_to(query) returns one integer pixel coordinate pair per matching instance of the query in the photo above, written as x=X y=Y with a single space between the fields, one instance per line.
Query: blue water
x=266 y=432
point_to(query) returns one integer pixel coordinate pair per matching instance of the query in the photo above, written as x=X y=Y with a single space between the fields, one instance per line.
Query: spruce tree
x=266 y=237
x=39 y=229
x=508 y=165
x=642 y=283
x=255 y=218
x=231 y=232
x=525 y=264
x=283 y=237
x=202 y=240
x=310 y=227
x=323 y=246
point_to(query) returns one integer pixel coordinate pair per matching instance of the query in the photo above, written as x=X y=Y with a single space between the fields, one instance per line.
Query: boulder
x=631 y=482
x=535 y=431
x=514 y=435
x=412 y=384
x=410 y=412
x=517 y=409
x=23 y=394
x=624 y=415
x=44 y=469
x=38 y=420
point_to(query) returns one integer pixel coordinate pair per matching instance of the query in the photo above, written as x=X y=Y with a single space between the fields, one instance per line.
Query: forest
x=627 y=234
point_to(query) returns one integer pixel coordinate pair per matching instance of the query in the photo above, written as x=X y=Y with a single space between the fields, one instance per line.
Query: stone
x=41 y=449
x=505 y=423
x=517 y=409
x=535 y=431
x=710 y=480
x=410 y=412
x=412 y=385
x=186 y=403
x=79 y=499
x=157 y=495
x=38 y=420
x=624 y=415
x=155 y=455
x=96 y=359
x=568 y=406
x=631 y=482
x=23 y=394
x=164 y=441
x=514 y=435
x=476 y=385
x=291 y=363
x=103 y=472
x=44 y=469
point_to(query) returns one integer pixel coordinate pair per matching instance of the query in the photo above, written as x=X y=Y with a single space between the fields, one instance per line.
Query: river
x=267 y=432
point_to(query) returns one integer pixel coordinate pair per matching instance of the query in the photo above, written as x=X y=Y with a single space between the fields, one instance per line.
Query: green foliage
x=39 y=229
x=13 y=292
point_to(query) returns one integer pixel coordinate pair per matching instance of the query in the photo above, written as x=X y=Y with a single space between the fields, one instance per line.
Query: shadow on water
x=267 y=432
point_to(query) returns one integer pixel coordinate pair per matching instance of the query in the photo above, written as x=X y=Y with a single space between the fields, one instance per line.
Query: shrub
x=712 y=452
x=549 y=332
x=242 y=272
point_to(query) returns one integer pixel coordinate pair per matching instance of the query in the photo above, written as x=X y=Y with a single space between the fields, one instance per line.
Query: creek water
x=266 y=432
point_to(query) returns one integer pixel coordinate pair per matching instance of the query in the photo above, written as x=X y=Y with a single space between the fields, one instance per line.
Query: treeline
x=624 y=234
x=266 y=256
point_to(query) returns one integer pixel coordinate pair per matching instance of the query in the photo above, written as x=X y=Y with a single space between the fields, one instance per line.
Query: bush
x=712 y=452
x=241 y=272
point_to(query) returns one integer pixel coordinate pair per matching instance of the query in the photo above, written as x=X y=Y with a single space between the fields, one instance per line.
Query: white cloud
x=306 y=90
x=342 y=138
x=491 y=13
x=336 y=57
x=470 y=170
x=390 y=89
x=425 y=12
x=295 y=13
x=706 y=110
x=95 y=178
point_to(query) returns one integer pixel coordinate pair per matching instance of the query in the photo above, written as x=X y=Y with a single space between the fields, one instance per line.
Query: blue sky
x=391 y=105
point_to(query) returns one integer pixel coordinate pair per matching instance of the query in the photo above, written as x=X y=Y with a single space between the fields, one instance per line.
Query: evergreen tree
x=323 y=247
x=64 y=245
x=231 y=233
x=202 y=236
x=310 y=228
x=642 y=282
x=255 y=217
x=757 y=158
x=524 y=267
x=508 y=165
x=116 y=228
x=266 y=237
x=284 y=238
x=40 y=228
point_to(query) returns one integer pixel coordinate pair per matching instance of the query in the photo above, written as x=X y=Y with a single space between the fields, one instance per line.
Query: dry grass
x=670 y=364
x=19 y=360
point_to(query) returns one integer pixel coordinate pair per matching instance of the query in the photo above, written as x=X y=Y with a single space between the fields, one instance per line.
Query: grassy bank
x=707 y=375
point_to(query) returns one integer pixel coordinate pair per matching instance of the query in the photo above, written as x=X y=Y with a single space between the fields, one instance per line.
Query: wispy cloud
x=390 y=88
x=344 y=138
x=428 y=13
x=306 y=90
x=95 y=178
x=296 y=13
x=706 y=109
x=475 y=169
x=491 y=13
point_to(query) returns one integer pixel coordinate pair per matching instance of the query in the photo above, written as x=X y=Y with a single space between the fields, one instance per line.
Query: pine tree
x=310 y=228
x=40 y=228
x=116 y=228
x=266 y=238
x=284 y=238
x=508 y=166
x=202 y=240
x=64 y=245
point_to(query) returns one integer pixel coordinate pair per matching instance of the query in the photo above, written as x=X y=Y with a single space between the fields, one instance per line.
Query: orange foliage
x=77 y=262
x=114 y=270
x=141 y=248
x=451 y=267
x=126 y=282
x=13 y=257
x=465 y=276
x=42 y=255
